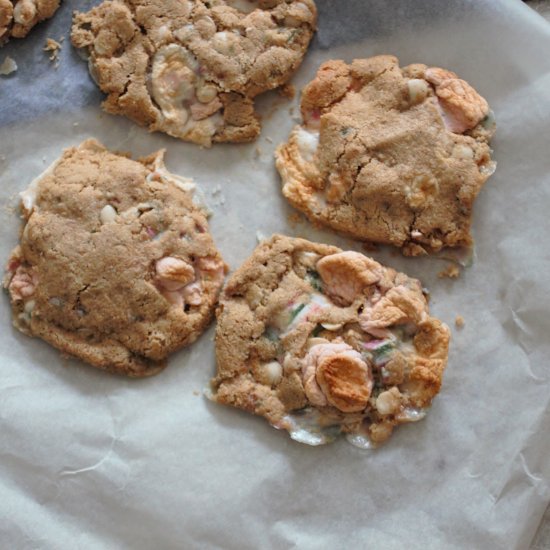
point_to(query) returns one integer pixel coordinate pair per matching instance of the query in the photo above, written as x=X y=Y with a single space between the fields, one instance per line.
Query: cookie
x=192 y=68
x=115 y=263
x=18 y=17
x=322 y=342
x=389 y=155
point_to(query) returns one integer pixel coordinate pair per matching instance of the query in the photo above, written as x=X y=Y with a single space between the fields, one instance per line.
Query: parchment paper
x=90 y=460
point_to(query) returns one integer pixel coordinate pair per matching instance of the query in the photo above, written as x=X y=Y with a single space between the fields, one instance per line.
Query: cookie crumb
x=53 y=47
x=287 y=90
x=294 y=218
x=451 y=271
x=8 y=66
x=9 y=208
x=459 y=321
x=195 y=392
x=257 y=152
x=268 y=139
x=370 y=247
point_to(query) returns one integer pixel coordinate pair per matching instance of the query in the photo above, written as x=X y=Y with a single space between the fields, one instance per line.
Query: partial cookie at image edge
x=18 y=17
x=194 y=74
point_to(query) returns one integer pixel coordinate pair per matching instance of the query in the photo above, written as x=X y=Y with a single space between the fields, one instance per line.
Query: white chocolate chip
x=418 y=90
x=291 y=21
x=273 y=372
x=164 y=33
x=332 y=326
x=108 y=214
x=388 y=402
x=462 y=152
x=26 y=315
x=206 y=93
x=222 y=42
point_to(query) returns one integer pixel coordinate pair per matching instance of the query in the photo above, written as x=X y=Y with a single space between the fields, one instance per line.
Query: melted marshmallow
x=307 y=142
x=28 y=197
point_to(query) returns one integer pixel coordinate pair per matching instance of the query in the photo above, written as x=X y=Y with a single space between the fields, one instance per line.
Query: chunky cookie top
x=322 y=342
x=388 y=154
x=191 y=68
x=18 y=17
x=115 y=263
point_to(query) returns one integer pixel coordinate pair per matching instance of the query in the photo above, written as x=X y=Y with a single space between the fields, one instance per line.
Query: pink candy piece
x=374 y=344
x=23 y=283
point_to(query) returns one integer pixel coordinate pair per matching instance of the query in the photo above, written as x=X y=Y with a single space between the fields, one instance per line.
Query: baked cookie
x=191 y=68
x=389 y=155
x=322 y=342
x=115 y=263
x=18 y=17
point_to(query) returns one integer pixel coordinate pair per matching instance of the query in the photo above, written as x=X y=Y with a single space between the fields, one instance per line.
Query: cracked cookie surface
x=18 y=17
x=389 y=155
x=322 y=342
x=191 y=68
x=115 y=263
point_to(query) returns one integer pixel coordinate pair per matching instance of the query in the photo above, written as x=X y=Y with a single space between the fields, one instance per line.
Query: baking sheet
x=89 y=460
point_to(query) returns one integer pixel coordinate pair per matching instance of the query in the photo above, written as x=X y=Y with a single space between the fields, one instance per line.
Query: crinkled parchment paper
x=89 y=460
